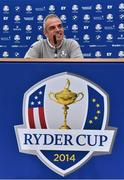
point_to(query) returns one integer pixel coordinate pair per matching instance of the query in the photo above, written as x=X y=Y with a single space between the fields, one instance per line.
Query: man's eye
x=52 y=28
x=60 y=26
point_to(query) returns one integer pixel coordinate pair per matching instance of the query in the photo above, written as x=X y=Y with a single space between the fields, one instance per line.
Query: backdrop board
x=97 y=25
x=61 y=120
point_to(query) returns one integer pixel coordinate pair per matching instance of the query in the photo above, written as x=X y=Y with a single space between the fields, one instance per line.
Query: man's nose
x=57 y=28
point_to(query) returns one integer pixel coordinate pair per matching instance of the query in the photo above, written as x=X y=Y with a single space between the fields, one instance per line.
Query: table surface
x=62 y=60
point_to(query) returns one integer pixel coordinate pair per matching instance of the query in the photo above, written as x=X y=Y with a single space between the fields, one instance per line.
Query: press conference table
x=62 y=60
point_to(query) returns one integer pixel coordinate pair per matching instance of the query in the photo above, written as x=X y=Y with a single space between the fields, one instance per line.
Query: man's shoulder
x=71 y=41
x=38 y=43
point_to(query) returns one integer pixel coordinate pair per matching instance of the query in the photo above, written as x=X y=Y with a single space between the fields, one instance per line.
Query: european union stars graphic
x=95 y=110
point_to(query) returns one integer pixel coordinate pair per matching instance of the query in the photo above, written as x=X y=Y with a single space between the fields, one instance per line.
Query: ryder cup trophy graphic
x=66 y=97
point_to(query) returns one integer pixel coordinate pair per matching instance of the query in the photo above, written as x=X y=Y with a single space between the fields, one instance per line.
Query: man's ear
x=45 y=33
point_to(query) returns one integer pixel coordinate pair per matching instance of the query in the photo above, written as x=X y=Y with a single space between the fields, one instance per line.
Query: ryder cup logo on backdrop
x=65 y=122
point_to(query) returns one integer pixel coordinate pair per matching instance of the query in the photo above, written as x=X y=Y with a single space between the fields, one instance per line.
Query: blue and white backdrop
x=97 y=25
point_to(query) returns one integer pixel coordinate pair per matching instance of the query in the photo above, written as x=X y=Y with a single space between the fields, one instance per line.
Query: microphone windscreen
x=54 y=39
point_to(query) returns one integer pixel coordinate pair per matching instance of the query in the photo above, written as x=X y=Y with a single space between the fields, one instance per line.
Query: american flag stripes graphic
x=36 y=109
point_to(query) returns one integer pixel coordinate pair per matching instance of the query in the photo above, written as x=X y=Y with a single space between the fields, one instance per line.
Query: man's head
x=53 y=26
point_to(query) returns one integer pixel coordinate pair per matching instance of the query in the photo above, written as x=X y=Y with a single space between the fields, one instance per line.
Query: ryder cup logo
x=65 y=122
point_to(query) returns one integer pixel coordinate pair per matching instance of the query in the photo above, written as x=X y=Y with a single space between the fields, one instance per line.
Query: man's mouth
x=58 y=35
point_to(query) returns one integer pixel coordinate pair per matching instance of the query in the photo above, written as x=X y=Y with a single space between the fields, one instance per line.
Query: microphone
x=55 y=43
x=55 y=40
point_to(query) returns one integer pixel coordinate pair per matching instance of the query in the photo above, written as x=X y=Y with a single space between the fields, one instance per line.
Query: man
x=55 y=45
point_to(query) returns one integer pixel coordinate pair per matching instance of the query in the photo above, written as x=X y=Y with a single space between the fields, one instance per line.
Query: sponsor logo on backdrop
x=19 y=46
x=63 y=17
x=121 y=16
x=109 y=17
x=98 y=18
x=98 y=7
x=76 y=37
x=5 y=38
x=40 y=9
x=109 y=54
x=87 y=55
x=6 y=9
x=28 y=38
x=85 y=8
x=28 y=28
x=86 y=17
x=74 y=17
x=98 y=27
x=5 y=18
x=17 y=54
x=52 y=8
x=5 y=54
x=17 y=8
x=121 y=54
x=75 y=8
x=39 y=37
x=17 y=38
x=85 y=27
x=17 y=28
x=39 y=28
x=31 y=18
x=65 y=122
x=17 y=18
x=63 y=8
x=109 y=37
x=120 y=37
x=117 y=45
x=98 y=37
x=98 y=54
x=74 y=27
x=28 y=8
x=109 y=6
x=5 y=28
x=121 y=6
x=121 y=26
x=112 y=27
x=86 y=37
x=40 y=18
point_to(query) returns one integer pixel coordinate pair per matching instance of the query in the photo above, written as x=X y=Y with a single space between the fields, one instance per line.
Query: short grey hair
x=48 y=17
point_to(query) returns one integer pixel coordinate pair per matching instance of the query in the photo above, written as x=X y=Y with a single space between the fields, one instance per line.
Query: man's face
x=54 y=27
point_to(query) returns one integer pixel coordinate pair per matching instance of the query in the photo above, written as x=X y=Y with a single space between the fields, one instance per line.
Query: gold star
x=95 y=117
x=97 y=105
x=90 y=121
x=93 y=100
x=98 y=112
